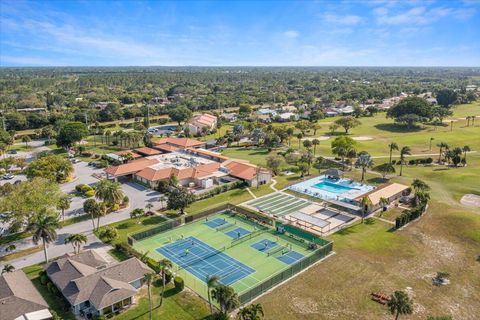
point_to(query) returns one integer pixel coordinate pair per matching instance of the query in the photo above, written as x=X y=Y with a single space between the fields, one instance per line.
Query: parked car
x=13 y=152
x=75 y=161
x=8 y=176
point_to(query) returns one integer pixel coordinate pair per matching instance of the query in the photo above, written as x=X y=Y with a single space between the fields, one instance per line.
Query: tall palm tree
x=465 y=149
x=392 y=146
x=163 y=265
x=163 y=199
x=149 y=207
x=101 y=212
x=351 y=154
x=8 y=268
x=43 y=227
x=226 y=297
x=63 y=204
x=441 y=145
x=365 y=202
x=76 y=240
x=109 y=191
x=384 y=203
x=400 y=303
x=403 y=152
x=364 y=161
x=149 y=279
x=315 y=143
x=299 y=137
x=431 y=139
x=212 y=282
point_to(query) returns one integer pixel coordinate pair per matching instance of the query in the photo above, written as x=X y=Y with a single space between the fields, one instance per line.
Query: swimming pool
x=332 y=187
x=327 y=189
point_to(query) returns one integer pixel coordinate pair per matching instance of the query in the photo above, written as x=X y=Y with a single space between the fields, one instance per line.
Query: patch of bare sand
x=362 y=138
x=471 y=200
x=321 y=138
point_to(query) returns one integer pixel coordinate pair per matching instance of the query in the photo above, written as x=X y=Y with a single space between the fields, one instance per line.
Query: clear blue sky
x=229 y=33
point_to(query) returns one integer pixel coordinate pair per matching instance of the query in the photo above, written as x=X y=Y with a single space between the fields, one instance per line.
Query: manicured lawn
x=372 y=258
x=176 y=306
x=21 y=253
x=262 y=190
x=56 y=303
x=254 y=155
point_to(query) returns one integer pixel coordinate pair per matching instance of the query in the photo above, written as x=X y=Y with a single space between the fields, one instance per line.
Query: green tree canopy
x=180 y=114
x=52 y=167
x=71 y=133
x=179 y=198
x=348 y=123
x=446 y=97
x=411 y=110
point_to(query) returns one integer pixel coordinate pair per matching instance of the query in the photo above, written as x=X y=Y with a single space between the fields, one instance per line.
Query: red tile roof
x=242 y=170
x=147 y=151
x=208 y=153
x=131 y=167
x=165 y=147
x=200 y=171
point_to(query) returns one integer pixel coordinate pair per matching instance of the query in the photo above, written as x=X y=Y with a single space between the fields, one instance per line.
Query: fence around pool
x=323 y=248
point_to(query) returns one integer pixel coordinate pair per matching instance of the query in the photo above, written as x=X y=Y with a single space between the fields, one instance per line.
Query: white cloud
x=420 y=15
x=291 y=34
x=29 y=61
x=348 y=20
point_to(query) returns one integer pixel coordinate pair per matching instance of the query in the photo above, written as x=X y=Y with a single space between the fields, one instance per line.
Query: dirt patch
x=362 y=138
x=471 y=200
x=321 y=138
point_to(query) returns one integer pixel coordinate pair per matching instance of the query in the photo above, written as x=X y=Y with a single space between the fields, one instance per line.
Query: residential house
x=19 y=299
x=94 y=287
x=230 y=117
x=286 y=116
x=266 y=112
x=201 y=122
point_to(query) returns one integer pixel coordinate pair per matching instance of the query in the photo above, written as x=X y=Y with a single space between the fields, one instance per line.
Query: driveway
x=139 y=196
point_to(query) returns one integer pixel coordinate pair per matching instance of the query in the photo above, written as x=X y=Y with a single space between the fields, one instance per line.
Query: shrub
x=89 y=193
x=85 y=188
x=429 y=160
x=115 y=207
x=179 y=284
x=411 y=162
x=126 y=200
x=43 y=279
x=79 y=187
x=50 y=287
x=168 y=276
x=108 y=234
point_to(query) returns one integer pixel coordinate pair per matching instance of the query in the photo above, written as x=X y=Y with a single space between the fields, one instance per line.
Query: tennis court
x=241 y=252
x=278 y=204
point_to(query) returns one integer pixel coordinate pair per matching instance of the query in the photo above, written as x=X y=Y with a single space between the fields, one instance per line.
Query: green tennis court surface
x=278 y=204
x=240 y=251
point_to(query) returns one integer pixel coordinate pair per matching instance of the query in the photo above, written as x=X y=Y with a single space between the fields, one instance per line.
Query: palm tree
x=149 y=207
x=441 y=145
x=149 y=279
x=102 y=211
x=226 y=297
x=365 y=202
x=419 y=185
x=468 y=121
x=8 y=268
x=400 y=303
x=465 y=149
x=43 y=227
x=163 y=199
x=431 y=139
x=109 y=191
x=364 y=161
x=299 y=137
x=392 y=146
x=315 y=143
x=212 y=282
x=26 y=140
x=251 y=312
x=163 y=265
x=76 y=240
x=405 y=151
x=384 y=203
x=63 y=204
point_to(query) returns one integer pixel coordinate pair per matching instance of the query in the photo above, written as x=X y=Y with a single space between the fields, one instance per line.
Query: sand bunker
x=362 y=138
x=321 y=138
x=471 y=200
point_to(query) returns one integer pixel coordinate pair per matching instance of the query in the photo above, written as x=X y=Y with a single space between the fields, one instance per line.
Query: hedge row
x=219 y=189
x=410 y=215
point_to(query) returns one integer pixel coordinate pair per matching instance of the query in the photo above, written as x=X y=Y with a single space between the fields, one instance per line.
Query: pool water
x=332 y=187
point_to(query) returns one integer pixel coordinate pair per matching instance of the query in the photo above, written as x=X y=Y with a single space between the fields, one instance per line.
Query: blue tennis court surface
x=237 y=233
x=264 y=245
x=215 y=223
x=291 y=257
x=201 y=260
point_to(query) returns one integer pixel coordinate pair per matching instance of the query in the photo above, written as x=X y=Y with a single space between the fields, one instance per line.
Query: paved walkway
x=251 y=193
x=274 y=182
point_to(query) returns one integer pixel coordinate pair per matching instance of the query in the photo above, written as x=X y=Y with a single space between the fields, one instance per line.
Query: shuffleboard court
x=278 y=204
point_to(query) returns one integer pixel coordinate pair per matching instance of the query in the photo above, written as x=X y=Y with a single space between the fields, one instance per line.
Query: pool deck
x=309 y=188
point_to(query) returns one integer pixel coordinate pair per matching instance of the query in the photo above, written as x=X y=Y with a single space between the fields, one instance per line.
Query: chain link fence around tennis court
x=284 y=275
x=173 y=223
